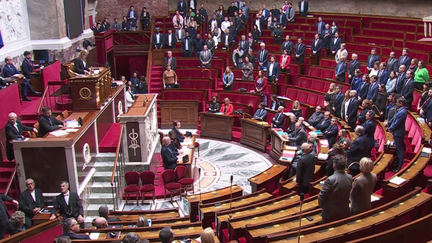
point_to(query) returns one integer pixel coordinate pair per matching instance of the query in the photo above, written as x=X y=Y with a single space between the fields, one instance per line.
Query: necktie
x=262 y=55
x=319 y=28
x=16 y=126
x=186 y=44
x=403 y=59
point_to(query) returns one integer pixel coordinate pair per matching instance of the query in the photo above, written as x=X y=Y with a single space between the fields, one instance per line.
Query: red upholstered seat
x=147 y=188
x=170 y=184
x=132 y=188
x=147 y=181
x=186 y=181
x=132 y=181
x=173 y=186
x=180 y=172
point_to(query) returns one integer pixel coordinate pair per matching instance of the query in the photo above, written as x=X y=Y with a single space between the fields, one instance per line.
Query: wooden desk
x=216 y=125
x=185 y=111
x=40 y=218
x=213 y=196
x=150 y=214
x=188 y=148
x=277 y=143
x=254 y=133
x=268 y=179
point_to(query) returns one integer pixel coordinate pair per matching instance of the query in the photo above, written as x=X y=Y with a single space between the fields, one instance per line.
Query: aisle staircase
x=156 y=87
x=6 y=171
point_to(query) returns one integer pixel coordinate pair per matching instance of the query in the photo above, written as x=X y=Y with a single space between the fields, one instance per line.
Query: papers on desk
x=198 y=239
x=289 y=114
x=218 y=113
x=94 y=236
x=72 y=123
x=59 y=133
x=397 y=180
x=420 y=119
x=292 y=148
x=71 y=130
x=427 y=150
x=322 y=156
x=324 y=142
x=374 y=198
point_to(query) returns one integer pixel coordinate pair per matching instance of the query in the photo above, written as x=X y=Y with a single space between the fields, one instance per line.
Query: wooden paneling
x=185 y=111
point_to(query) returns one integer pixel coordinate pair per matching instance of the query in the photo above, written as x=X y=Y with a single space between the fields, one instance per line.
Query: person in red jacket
x=227 y=108
x=285 y=61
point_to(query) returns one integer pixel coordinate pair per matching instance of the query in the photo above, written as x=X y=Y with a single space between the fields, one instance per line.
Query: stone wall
x=43 y=15
x=403 y=8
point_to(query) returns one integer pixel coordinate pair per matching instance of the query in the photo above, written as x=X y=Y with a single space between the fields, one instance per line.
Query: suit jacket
x=352 y=110
x=290 y=14
x=211 y=45
x=79 y=66
x=321 y=31
x=317 y=46
x=244 y=45
x=404 y=60
x=135 y=15
x=173 y=63
x=371 y=60
x=73 y=209
x=180 y=35
x=27 y=204
x=305 y=169
x=169 y=158
x=383 y=76
x=407 y=90
x=340 y=71
x=373 y=91
x=4 y=215
x=335 y=46
x=47 y=125
x=392 y=64
x=287 y=45
x=353 y=65
x=205 y=56
x=190 y=44
x=12 y=133
x=9 y=71
x=260 y=114
x=275 y=70
x=173 y=40
x=322 y=126
x=397 y=128
x=229 y=109
x=274 y=104
x=178 y=134
x=27 y=68
x=359 y=148
x=74 y=236
x=363 y=90
x=400 y=79
x=334 y=197
x=282 y=19
x=370 y=127
x=297 y=138
x=264 y=58
x=362 y=189
x=161 y=39
x=315 y=118
x=182 y=7
x=198 y=44
x=278 y=120
x=300 y=49
x=331 y=134
x=305 y=7
x=337 y=103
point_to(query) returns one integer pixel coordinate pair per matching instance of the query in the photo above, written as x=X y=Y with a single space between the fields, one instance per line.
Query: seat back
x=168 y=176
x=180 y=172
x=147 y=177
x=132 y=178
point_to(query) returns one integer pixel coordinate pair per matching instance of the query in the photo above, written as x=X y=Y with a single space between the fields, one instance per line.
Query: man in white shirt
x=69 y=205
x=225 y=24
x=31 y=202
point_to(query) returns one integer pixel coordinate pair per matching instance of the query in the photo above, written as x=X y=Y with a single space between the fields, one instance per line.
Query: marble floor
x=218 y=160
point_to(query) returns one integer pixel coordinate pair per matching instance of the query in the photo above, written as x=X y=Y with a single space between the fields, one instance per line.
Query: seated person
x=100 y=223
x=71 y=227
x=31 y=201
x=27 y=66
x=279 y=118
x=227 y=108
x=261 y=113
x=331 y=132
x=322 y=126
x=214 y=105
x=299 y=136
x=169 y=158
x=16 y=222
x=48 y=123
x=291 y=127
x=176 y=130
x=9 y=70
x=274 y=105
x=80 y=64
x=103 y=211
x=14 y=130
x=174 y=145
x=316 y=117
x=142 y=222
x=166 y=235
x=296 y=109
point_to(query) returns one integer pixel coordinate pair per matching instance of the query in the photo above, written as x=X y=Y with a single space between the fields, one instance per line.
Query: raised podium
x=255 y=133
x=216 y=125
x=89 y=92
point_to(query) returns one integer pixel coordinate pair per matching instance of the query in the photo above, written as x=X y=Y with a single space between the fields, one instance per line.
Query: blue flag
x=1 y=41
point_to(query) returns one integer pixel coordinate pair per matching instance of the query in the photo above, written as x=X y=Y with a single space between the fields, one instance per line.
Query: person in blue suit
x=370 y=127
x=273 y=70
x=274 y=104
x=408 y=89
x=363 y=88
x=10 y=70
x=279 y=118
x=341 y=69
x=27 y=66
x=358 y=149
x=397 y=128
x=351 y=112
x=373 y=89
x=383 y=74
x=320 y=27
x=132 y=15
x=261 y=113
x=176 y=129
x=331 y=132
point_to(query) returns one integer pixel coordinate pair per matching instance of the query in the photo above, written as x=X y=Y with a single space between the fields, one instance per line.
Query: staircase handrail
x=150 y=56
x=11 y=178
x=114 y=170
x=42 y=100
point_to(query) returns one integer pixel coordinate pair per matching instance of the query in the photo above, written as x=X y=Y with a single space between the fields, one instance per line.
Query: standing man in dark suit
x=132 y=15
x=359 y=148
x=158 y=39
x=353 y=65
x=383 y=74
x=227 y=40
x=397 y=128
x=48 y=123
x=305 y=168
x=273 y=70
x=373 y=89
x=341 y=69
x=279 y=118
x=370 y=127
x=400 y=79
x=10 y=70
x=244 y=44
x=281 y=17
x=170 y=40
x=170 y=60
x=303 y=8
x=331 y=132
x=182 y=7
x=363 y=90
x=262 y=57
x=169 y=157
x=408 y=89
x=320 y=27
x=198 y=45
x=287 y=45
x=187 y=46
x=351 y=112
x=335 y=43
x=27 y=65
x=4 y=215
x=69 y=205
x=334 y=195
x=299 y=50
x=405 y=59
x=14 y=130
x=372 y=58
x=317 y=45
x=176 y=129
x=337 y=103
x=392 y=63
x=31 y=202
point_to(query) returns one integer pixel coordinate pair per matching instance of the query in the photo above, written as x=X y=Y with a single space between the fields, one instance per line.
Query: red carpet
x=110 y=140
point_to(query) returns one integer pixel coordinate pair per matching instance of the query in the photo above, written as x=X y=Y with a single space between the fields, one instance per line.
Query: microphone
x=302 y=196
x=230 y=215
x=300 y=215
x=199 y=183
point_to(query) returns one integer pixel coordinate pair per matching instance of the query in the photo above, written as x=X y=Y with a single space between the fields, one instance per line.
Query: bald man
x=169 y=158
x=100 y=223
x=14 y=130
x=305 y=168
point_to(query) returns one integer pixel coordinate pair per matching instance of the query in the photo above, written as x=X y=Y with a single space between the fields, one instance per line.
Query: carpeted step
x=110 y=140
x=29 y=122
x=236 y=136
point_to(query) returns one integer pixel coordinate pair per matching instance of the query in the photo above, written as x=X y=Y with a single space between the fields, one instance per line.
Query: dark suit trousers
x=400 y=150
x=7 y=227
x=303 y=189
x=187 y=53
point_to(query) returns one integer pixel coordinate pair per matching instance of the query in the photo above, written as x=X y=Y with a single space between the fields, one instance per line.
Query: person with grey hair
x=71 y=227
x=299 y=136
x=63 y=239
x=363 y=187
x=359 y=148
x=334 y=195
x=14 y=129
x=69 y=205
x=305 y=168
x=170 y=60
x=104 y=212
x=17 y=222
x=166 y=235
x=31 y=202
